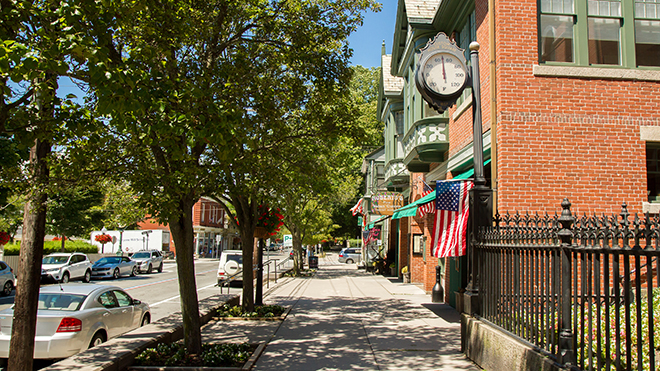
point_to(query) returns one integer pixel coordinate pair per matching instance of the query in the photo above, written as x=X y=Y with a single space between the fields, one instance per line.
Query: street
x=161 y=290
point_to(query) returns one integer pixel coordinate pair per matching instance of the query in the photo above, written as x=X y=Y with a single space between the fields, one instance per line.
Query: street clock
x=442 y=72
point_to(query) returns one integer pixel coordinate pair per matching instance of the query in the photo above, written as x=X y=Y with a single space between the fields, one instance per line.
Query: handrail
x=255 y=267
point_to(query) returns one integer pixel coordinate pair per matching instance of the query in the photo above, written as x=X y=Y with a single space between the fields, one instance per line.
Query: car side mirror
x=136 y=302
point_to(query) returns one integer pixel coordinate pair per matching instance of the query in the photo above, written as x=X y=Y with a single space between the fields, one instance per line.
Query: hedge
x=56 y=246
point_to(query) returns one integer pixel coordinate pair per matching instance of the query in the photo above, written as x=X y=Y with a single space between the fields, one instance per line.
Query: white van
x=231 y=263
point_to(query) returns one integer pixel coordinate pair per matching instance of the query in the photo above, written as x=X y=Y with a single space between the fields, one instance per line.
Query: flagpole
x=481 y=196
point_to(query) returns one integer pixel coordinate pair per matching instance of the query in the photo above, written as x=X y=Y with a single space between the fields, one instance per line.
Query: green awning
x=411 y=209
x=468 y=174
x=371 y=225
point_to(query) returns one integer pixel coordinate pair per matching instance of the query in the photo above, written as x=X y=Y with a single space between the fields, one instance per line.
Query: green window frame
x=603 y=33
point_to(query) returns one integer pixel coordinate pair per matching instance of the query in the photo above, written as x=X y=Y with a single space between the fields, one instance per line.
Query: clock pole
x=481 y=196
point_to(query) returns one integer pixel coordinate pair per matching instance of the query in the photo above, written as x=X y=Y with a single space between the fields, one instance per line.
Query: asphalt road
x=161 y=290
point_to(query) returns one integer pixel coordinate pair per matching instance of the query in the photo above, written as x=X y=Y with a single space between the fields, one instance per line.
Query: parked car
x=63 y=267
x=7 y=279
x=114 y=266
x=76 y=317
x=148 y=260
x=350 y=255
x=231 y=262
x=167 y=254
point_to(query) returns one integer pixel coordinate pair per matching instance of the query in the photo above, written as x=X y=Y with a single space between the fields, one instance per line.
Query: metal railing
x=267 y=264
x=584 y=290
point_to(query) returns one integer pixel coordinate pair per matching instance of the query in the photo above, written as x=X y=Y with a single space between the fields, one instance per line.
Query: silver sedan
x=114 y=267
x=75 y=317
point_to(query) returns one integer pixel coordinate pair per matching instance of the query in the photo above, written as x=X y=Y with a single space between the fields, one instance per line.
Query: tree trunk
x=259 y=295
x=24 y=323
x=247 y=234
x=297 y=252
x=181 y=227
x=63 y=239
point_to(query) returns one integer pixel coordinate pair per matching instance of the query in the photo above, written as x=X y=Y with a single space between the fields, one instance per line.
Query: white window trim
x=597 y=73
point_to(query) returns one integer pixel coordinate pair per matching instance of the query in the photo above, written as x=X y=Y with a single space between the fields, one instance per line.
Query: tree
x=38 y=42
x=74 y=211
x=178 y=95
x=122 y=211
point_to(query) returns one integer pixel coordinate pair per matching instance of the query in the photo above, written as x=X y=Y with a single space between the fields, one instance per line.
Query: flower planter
x=278 y=318
x=247 y=366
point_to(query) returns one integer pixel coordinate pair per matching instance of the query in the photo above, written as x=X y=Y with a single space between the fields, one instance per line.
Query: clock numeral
x=444 y=88
x=459 y=74
x=455 y=84
x=429 y=66
x=437 y=60
x=433 y=84
x=458 y=66
x=449 y=60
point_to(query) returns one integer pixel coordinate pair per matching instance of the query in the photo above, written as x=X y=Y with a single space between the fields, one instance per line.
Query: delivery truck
x=132 y=241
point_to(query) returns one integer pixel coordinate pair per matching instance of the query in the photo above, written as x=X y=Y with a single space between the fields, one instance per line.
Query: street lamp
x=103 y=230
x=146 y=235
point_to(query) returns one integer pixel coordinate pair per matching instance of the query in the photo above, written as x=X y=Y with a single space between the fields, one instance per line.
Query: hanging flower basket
x=260 y=232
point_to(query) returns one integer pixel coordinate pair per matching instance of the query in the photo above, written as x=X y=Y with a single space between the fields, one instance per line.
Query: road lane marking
x=167 y=280
x=175 y=297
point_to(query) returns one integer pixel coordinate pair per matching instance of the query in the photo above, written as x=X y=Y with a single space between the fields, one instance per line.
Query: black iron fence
x=584 y=290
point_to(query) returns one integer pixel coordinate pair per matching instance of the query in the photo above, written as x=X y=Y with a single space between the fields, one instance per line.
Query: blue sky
x=367 y=40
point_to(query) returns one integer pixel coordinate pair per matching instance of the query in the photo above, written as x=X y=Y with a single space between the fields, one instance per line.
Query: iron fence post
x=566 y=344
x=481 y=196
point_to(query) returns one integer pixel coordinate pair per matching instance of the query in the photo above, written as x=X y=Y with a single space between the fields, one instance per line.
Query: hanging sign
x=384 y=203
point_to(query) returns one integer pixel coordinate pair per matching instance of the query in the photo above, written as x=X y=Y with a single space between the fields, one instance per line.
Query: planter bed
x=258 y=349
x=277 y=318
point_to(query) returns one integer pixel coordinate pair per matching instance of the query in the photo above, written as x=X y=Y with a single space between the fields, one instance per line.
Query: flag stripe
x=450 y=225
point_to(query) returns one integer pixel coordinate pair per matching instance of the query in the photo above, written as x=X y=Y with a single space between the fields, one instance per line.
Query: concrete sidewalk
x=345 y=319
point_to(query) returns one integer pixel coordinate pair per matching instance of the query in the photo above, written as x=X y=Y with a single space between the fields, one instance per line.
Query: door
x=112 y=318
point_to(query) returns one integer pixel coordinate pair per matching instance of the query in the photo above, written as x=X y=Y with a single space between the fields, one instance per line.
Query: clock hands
x=444 y=74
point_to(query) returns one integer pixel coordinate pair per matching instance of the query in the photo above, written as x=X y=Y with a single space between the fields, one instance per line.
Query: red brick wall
x=558 y=137
x=404 y=246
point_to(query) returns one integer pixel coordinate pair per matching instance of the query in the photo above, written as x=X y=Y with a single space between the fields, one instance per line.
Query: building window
x=653 y=171
x=202 y=213
x=647 y=32
x=600 y=32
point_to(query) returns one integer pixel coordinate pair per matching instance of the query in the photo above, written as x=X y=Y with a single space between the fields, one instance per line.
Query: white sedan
x=75 y=317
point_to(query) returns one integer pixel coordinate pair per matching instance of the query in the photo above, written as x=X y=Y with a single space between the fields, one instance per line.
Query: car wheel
x=115 y=273
x=146 y=320
x=160 y=269
x=134 y=272
x=150 y=269
x=98 y=339
x=65 y=277
x=6 y=290
x=349 y=261
x=87 y=277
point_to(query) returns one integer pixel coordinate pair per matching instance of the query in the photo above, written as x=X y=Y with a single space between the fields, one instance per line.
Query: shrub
x=263 y=311
x=213 y=355
x=55 y=246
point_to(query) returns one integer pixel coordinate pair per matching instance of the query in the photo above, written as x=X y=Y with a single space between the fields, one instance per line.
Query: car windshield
x=141 y=255
x=237 y=258
x=67 y=302
x=55 y=260
x=110 y=260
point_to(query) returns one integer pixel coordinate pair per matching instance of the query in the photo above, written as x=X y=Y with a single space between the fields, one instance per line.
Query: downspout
x=493 y=101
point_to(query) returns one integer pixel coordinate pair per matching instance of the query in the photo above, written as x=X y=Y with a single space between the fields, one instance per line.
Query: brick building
x=212 y=232
x=570 y=92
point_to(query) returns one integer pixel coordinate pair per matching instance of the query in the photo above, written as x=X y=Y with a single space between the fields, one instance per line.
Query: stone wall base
x=494 y=350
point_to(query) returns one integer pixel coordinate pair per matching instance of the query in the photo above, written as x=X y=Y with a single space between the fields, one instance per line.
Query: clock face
x=444 y=74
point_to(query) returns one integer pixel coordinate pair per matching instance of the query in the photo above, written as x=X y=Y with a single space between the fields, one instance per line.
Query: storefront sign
x=384 y=203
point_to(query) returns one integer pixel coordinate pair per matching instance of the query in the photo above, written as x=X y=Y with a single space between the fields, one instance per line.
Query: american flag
x=453 y=208
x=357 y=209
x=429 y=207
